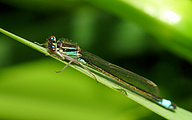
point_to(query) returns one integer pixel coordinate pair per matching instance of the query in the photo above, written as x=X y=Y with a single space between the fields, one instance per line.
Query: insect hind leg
x=88 y=71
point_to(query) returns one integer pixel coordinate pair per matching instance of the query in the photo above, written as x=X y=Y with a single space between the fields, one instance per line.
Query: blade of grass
x=179 y=113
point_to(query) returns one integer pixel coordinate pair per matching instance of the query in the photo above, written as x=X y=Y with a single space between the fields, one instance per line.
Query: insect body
x=138 y=84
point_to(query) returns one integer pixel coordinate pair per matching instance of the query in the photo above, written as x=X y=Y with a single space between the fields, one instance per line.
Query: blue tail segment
x=167 y=103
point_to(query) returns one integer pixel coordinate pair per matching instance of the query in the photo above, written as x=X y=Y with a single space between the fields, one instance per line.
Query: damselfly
x=72 y=52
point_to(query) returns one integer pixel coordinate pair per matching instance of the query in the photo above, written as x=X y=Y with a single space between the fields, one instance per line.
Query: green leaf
x=179 y=113
x=168 y=21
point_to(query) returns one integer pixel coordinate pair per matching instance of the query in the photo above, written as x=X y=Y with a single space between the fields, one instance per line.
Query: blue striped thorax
x=64 y=47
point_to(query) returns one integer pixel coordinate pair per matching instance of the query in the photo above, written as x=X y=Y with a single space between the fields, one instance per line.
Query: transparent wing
x=125 y=75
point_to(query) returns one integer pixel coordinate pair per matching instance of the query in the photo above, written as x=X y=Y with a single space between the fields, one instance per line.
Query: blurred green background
x=30 y=88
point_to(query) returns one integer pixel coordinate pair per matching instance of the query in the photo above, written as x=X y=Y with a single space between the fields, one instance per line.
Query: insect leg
x=88 y=71
x=65 y=66
x=40 y=44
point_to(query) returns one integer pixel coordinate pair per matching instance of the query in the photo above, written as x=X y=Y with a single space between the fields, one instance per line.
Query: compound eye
x=53 y=47
x=52 y=39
